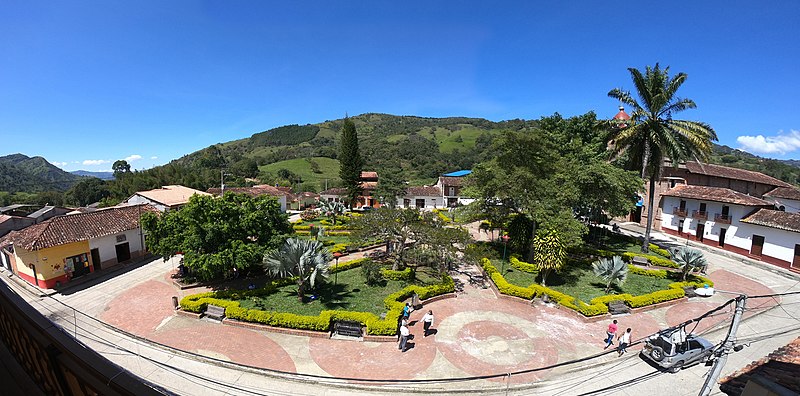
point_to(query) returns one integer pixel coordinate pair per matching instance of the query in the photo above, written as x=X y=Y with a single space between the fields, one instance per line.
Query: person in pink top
x=610 y=333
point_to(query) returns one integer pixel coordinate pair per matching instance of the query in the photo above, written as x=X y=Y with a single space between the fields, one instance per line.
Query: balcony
x=722 y=218
x=679 y=211
x=699 y=215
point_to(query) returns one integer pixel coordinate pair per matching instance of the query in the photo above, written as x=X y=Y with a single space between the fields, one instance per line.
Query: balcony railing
x=679 y=211
x=700 y=215
x=722 y=218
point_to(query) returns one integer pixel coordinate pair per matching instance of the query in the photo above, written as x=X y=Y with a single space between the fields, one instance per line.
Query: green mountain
x=422 y=148
x=19 y=172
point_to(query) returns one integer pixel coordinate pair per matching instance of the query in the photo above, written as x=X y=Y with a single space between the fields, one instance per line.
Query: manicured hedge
x=522 y=266
x=537 y=290
x=322 y=322
x=654 y=259
x=335 y=233
x=598 y=305
x=442 y=216
x=388 y=274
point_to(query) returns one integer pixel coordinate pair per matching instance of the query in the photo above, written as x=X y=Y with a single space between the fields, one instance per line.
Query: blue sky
x=84 y=83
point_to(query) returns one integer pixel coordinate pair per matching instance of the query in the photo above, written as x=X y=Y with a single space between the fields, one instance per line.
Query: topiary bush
x=372 y=272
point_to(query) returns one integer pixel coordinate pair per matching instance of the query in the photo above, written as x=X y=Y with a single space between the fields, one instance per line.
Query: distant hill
x=786 y=170
x=19 y=172
x=99 y=175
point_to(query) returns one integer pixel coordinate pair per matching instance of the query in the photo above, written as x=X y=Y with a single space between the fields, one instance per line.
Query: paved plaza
x=477 y=334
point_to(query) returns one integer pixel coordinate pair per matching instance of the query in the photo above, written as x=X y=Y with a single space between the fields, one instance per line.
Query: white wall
x=777 y=243
x=106 y=245
x=431 y=202
x=789 y=205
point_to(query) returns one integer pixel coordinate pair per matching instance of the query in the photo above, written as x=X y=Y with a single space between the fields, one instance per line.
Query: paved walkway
x=477 y=334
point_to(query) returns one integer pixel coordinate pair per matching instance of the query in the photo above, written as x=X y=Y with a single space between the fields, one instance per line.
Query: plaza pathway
x=477 y=334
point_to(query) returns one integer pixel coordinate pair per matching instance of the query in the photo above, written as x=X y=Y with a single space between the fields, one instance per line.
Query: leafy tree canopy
x=217 y=234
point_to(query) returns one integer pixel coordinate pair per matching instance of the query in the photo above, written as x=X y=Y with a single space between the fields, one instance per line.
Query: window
x=683 y=205
x=451 y=191
x=702 y=207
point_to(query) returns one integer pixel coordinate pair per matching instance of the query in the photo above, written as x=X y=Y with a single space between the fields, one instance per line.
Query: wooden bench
x=215 y=312
x=618 y=307
x=640 y=260
x=348 y=328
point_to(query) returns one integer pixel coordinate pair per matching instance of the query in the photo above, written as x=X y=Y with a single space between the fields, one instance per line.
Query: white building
x=733 y=221
x=425 y=197
x=785 y=198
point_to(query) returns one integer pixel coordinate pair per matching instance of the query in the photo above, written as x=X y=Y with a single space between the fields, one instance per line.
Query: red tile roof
x=78 y=227
x=775 y=219
x=734 y=173
x=424 y=191
x=715 y=194
x=622 y=115
x=451 y=181
x=785 y=193
x=369 y=175
x=781 y=367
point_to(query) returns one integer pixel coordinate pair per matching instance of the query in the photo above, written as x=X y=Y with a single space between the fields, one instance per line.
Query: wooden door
x=95 y=259
x=758 y=245
x=701 y=228
x=796 y=261
x=722 y=232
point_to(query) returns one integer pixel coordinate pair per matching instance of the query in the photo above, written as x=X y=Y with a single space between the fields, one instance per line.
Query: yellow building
x=54 y=252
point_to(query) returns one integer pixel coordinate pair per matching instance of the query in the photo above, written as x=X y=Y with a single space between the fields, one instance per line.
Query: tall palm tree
x=652 y=134
x=613 y=269
x=688 y=259
x=307 y=260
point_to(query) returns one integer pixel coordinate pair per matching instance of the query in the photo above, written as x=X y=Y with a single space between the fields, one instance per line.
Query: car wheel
x=677 y=367
x=657 y=353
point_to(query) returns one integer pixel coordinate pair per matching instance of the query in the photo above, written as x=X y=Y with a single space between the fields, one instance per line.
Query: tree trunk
x=300 y=291
x=650 y=214
x=532 y=246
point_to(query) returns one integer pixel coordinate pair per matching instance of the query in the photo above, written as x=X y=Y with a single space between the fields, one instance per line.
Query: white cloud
x=132 y=158
x=95 y=162
x=154 y=157
x=781 y=143
x=59 y=164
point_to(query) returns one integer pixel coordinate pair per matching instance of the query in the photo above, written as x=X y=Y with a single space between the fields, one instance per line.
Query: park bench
x=347 y=328
x=640 y=260
x=618 y=307
x=215 y=312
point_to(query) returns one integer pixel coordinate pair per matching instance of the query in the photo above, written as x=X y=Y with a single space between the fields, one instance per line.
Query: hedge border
x=375 y=325
x=598 y=305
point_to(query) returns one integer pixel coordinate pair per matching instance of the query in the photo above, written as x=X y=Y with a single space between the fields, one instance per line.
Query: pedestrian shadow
x=432 y=332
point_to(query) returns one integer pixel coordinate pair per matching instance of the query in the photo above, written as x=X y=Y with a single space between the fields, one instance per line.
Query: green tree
x=652 y=134
x=611 y=270
x=395 y=226
x=87 y=191
x=689 y=260
x=350 y=162
x=550 y=254
x=218 y=234
x=304 y=259
x=120 y=167
x=391 y=186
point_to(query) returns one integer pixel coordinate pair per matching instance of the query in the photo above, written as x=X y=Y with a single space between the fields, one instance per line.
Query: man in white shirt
x=427 y=322
x=404 y=333
x=624 y=341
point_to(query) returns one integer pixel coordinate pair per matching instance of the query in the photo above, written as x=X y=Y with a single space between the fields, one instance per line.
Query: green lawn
x=349 y=293
x=580 y=282
x=302 y=168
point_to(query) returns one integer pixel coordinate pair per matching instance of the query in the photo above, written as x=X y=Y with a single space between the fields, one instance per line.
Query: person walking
x=611 y=332
x=624 y=341
x=407 y=310
x=427 y=322
x=404 y=333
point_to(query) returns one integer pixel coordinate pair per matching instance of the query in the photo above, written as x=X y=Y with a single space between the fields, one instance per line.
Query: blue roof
x=458 y=173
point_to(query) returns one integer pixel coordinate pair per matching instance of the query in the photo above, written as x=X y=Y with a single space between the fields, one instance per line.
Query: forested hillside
x=19 y=172
x=417 y=149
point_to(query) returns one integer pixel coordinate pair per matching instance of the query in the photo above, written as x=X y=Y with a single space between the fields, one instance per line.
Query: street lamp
x=505 y=245
x=336 y=274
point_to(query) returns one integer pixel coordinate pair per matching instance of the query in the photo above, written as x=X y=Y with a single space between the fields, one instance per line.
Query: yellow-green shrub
x=396 y=275
x=337 y=233
x=655 y=273
x=522 y=266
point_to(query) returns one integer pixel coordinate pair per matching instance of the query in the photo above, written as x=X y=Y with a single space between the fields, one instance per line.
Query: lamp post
x=336 y=274
x=505 y=245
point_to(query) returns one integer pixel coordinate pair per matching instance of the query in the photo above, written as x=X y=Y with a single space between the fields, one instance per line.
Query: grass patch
x=349 y=293
x=302 y=168
x=578 y=280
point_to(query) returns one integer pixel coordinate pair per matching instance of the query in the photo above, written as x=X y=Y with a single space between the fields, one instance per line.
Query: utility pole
x=725 y=349
x=222 y=182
